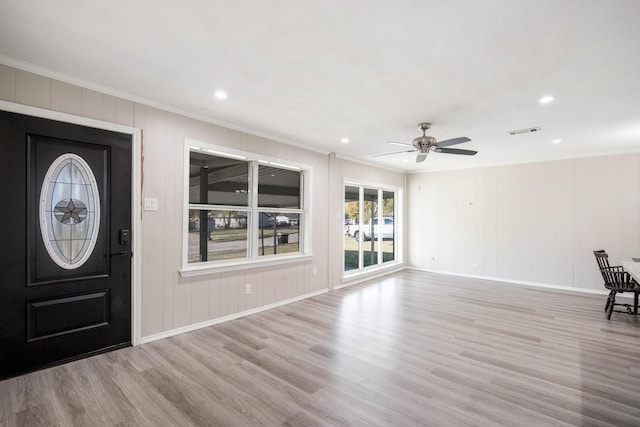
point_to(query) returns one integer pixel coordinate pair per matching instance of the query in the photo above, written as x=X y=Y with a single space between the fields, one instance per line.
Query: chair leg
x=606 y=306
x=635 y=302
x=612 y=301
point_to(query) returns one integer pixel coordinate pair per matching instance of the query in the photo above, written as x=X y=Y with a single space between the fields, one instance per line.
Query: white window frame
x=253 y=259
x=398 y=224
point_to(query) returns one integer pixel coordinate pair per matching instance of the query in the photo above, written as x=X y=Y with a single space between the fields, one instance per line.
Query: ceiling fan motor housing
x=424 y=143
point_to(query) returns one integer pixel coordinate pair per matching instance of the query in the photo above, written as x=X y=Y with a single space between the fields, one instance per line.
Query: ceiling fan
x=425 y=144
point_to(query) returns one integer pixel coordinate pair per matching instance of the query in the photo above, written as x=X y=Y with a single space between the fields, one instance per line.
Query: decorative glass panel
x=69 y=211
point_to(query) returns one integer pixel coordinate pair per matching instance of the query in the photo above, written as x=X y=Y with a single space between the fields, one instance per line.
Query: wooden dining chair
x=617 y=281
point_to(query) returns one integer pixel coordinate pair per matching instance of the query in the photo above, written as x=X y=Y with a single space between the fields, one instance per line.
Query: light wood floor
x=408 y=349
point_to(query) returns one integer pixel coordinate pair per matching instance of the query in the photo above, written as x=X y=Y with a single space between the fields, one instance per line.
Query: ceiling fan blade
x=395 y=152
x=453 y=141
x=404 y=144
x=420 y=158
x=456 y=151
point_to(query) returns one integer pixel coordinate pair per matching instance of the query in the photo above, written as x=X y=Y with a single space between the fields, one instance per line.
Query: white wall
x=535 y=222
x=170 y=302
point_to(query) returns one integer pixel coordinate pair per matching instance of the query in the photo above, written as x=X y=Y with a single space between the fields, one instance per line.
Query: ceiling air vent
x=520 y=131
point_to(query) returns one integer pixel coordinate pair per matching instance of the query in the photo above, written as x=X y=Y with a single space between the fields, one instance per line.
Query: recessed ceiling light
x=344 y=140
x=546 y=99
x=557 y=141
x=405 y=160
x=220 y=94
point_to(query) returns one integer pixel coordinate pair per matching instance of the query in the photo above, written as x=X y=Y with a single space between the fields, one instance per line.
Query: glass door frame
x=362 y=225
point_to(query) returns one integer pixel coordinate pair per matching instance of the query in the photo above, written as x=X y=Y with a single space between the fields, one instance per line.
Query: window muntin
x=249 y=209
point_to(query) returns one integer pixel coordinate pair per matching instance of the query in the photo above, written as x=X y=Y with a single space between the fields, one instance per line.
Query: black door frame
x=136 y=195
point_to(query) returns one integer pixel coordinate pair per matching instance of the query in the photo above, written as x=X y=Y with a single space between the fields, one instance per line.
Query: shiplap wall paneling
x=611 y=200
x=154 y=242
x=595 y=225
x=488 y=223
x=453 y=250
x=630 y=185
x=421 y=190
x=533 y=187
x=32 y=89
x=7 y=83
x=559 y=230
x=124 y=112
x=198 y=291
x=170 y=201
x=507 y=211
x=66 y=98
x=469 y=226
x=470 y=205
x=426 y=245
x=92 y=104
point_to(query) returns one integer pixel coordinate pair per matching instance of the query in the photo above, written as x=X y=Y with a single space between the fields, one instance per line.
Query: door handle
x=122 y=254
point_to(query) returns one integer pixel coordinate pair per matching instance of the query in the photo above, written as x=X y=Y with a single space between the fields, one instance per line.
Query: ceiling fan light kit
x=425 y=144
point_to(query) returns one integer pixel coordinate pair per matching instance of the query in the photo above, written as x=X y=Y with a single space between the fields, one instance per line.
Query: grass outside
x=351 y=253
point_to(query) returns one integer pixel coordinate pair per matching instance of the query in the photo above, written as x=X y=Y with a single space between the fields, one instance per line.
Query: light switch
x=150 y=204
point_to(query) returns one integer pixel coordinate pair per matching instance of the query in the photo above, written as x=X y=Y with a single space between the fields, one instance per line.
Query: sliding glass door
x=370 y=229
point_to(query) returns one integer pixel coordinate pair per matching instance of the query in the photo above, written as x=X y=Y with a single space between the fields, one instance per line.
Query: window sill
x=199 y=270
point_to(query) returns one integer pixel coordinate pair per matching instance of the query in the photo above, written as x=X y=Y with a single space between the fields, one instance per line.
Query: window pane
x=278 y=233
x=215 y=180
x=278 y=188
x=388 y=229
x=217 y=235
x=351 y=220
x=369 y=212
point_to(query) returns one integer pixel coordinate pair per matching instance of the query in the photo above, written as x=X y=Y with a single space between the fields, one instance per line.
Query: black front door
x=65 y=261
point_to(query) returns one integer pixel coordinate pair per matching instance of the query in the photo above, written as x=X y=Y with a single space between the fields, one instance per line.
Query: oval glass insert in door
x=69 y=211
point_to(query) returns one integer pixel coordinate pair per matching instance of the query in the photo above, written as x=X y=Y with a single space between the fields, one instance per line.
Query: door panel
x=42 y=153
x=52 y=317
x=65 y=199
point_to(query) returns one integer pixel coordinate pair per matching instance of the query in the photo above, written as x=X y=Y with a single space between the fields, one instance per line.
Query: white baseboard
x=523 y=282
x=223 y=319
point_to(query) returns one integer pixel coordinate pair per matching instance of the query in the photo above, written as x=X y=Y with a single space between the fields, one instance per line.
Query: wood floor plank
x=410 y=348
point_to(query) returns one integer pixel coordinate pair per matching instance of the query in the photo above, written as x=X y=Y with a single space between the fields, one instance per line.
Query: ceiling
x=313 y=72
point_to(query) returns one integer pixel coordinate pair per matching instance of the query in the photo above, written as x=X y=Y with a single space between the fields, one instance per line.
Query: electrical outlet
x=247 y=289
x=315 y=271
